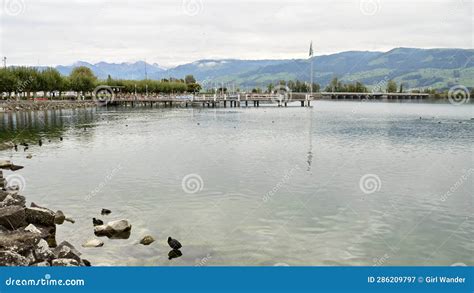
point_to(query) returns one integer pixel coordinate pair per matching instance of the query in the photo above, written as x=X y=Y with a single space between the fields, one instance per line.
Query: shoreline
x=19 y=106
x=28 y=234
x=11 y=106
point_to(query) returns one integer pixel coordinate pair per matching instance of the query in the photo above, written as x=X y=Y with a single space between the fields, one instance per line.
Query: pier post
x=258 y=103
x=246 y=103
x=225 y=104
x=286 y=104
x=302 y=103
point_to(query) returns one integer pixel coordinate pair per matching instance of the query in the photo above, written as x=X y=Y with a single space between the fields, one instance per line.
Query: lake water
x=341 y=183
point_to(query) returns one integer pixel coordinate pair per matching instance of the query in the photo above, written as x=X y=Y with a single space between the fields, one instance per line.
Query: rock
x=86 y=263
x=70 y=220
x=12 y=217
x=116 y=229
x=41 y=264
x=9 y=199
x=29 y=156
x=64 y=262
x=67 y=250
x=147 y=240
x=59 y=217
x=5 y=164
x=41 y=216
x=10 y=259
x=32 y=228
x=93 y=243
x=105 y=212
x=42 y=251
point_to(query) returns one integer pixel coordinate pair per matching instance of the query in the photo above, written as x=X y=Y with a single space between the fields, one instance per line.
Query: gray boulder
x=10 y=259
x=8 y=199
x=42 y=216
x=12 y=217
x=147 y=240
x=42 y=252
x=116 y=229
x=59 y=218
x=32 y=228
x=67 y=250
x=64 y=262
x=41 y=264
x=5 y=164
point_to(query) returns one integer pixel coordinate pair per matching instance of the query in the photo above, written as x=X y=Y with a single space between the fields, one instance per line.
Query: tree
x=391 y=86
x=401 y=88
x=27 y=80
x=193 y=87
x=82 y=79
x=50 y=80
x=189 y=79
x=270 y=87
x=7 y=81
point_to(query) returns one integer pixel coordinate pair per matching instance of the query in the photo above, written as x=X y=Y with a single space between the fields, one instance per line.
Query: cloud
x=50 y=32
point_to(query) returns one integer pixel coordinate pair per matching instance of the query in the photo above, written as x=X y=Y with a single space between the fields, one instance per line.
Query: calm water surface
x=271 y=185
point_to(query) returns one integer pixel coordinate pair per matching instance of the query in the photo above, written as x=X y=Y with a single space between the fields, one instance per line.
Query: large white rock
x=5 y=164
x=119 y=229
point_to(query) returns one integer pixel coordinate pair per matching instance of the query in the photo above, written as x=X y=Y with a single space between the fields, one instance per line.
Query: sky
x=172 y=32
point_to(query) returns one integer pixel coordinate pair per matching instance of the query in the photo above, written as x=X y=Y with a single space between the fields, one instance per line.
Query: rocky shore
x=28 y=234
x=15 y=106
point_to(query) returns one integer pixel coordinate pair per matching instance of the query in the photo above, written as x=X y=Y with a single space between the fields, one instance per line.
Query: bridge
x=240 y=100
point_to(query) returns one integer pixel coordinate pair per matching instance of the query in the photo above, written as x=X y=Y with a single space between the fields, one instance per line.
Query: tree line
x=22 y=81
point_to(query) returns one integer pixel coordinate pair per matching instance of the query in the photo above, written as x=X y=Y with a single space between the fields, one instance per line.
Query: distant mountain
x=436 y=68
x=135 y=70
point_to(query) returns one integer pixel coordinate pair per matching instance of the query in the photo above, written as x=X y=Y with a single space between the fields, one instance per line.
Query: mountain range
x=415 y=68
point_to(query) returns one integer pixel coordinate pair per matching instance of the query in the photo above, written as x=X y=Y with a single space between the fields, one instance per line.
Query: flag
x=311 y=49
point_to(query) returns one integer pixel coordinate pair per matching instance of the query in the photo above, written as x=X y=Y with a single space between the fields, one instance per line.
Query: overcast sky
x=171 y=32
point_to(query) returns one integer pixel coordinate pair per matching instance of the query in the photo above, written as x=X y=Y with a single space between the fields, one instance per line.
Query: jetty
x=246 y=100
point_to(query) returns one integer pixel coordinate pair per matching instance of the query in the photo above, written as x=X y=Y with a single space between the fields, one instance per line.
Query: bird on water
x=173 y=243
x=97 y=222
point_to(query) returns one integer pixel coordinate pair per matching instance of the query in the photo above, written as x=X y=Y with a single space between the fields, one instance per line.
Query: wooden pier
x=255 y=100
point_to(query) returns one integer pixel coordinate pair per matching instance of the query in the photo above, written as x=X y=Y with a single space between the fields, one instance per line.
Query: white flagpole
x=311 y=73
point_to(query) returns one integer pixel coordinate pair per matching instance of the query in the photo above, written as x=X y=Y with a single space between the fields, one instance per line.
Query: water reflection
x=174 y=253
x=32 y=127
